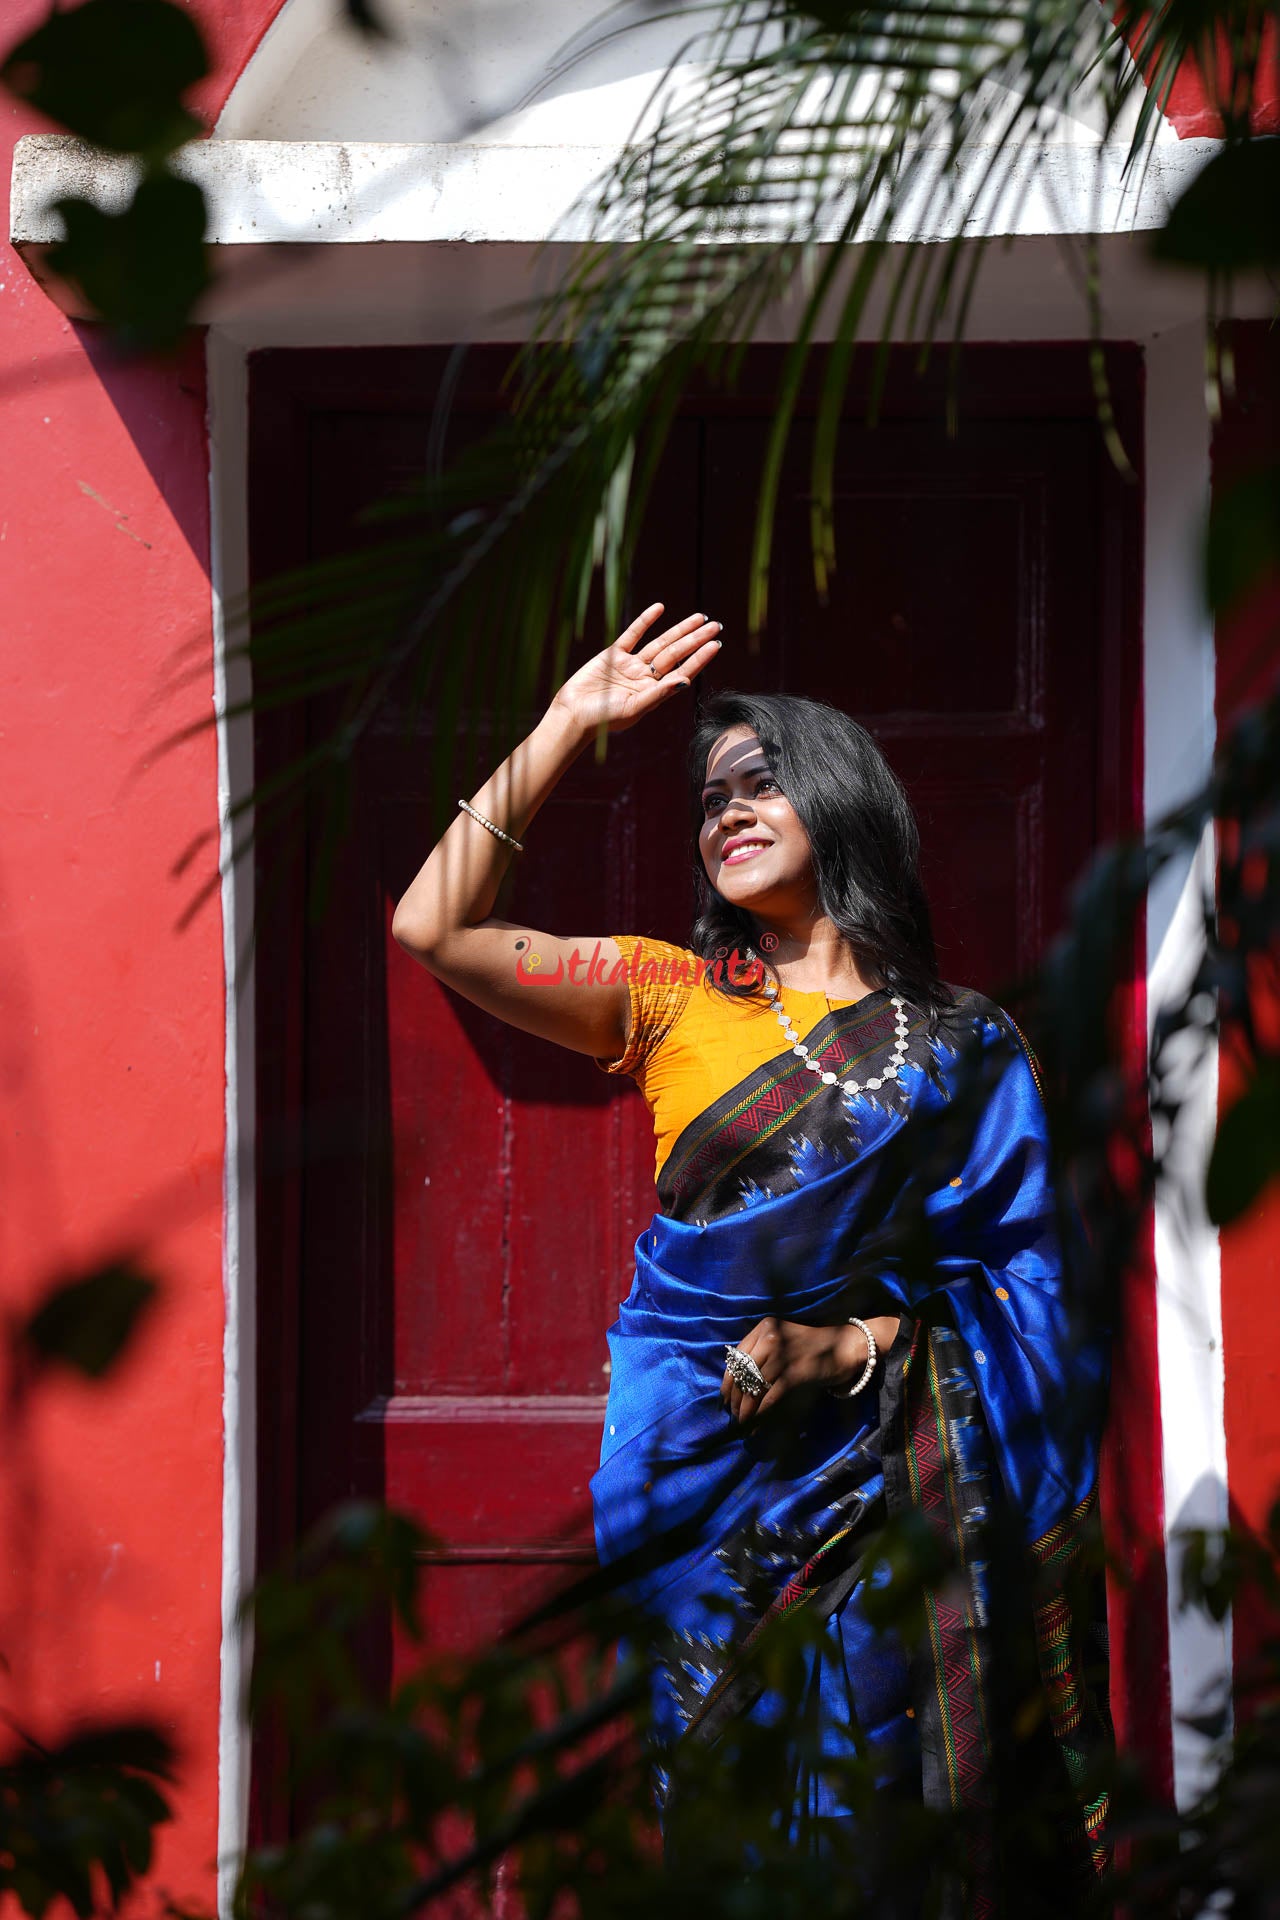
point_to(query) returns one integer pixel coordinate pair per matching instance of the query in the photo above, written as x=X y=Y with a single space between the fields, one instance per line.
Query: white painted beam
x=328 y=243
x=1180 y=734
x=286 y=192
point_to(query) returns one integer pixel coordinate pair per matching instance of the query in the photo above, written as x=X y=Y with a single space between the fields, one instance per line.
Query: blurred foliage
x=1228 y=219
x=77 y=1821
x=524 y=1766
x=786 y=180
x=781 y=185
x=1243 y=541
x=141 y=269
x=78 y=1816
x=114 y=73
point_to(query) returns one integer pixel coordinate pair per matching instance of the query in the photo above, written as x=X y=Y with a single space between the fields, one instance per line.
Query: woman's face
x=753 y=845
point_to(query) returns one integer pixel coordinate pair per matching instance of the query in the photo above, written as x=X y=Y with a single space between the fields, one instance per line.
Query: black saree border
x=929 y=1394
x=782 y=1101
x=951 y=1664
x=712 y=1147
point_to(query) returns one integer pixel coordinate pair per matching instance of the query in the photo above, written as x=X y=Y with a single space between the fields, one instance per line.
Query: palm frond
x=821 y=158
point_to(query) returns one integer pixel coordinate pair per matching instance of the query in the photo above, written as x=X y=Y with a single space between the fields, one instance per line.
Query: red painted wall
x=111 y=1043
x=1191 y=115
x=1189 y=110
x=1247 y=441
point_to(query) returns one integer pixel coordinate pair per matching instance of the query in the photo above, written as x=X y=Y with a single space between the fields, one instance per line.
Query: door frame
x=279 y=389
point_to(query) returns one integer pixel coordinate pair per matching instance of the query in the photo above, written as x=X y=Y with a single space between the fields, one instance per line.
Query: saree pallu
x=929 y=1194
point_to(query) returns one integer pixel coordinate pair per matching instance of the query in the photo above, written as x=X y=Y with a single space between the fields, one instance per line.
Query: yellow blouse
x=687 y=1043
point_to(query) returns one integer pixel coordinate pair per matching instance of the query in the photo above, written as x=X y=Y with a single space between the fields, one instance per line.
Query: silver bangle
x=847 y=1393
x=468 y=808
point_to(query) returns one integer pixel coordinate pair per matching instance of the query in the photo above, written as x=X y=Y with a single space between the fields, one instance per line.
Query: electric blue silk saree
x=929 y=1195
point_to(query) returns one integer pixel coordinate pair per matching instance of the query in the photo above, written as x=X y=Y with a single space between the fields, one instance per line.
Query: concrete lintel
x=264 y=192
x=319 y=241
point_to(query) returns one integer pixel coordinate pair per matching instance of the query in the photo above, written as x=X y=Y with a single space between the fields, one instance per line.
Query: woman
x=849 y=1310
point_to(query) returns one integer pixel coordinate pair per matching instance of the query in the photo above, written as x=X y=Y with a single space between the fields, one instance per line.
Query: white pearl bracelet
x=510 y=839
x=847 y=1393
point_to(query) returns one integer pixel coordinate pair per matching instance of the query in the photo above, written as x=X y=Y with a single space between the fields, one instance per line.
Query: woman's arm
x=555 y=986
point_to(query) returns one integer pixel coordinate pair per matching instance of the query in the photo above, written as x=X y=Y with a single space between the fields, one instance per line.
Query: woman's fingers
x=776 y=1392
x=672 y=636
x=791 y=1359
x=672 y=650
x=628 y=638
x=682 y=673
x=762 y=1346
x=674 y=656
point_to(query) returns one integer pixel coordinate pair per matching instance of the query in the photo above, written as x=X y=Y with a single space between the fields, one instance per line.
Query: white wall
x=454 y=72
x=528 y=72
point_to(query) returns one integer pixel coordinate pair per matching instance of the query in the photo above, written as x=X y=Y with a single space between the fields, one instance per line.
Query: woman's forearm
x=457 y=884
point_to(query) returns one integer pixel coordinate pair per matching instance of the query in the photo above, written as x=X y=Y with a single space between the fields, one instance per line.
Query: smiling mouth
x=745 y=852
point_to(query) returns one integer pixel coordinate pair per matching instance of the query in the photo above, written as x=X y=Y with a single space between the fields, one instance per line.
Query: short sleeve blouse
x=688 y=1044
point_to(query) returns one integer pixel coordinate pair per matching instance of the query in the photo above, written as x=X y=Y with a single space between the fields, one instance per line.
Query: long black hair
x=863 y=833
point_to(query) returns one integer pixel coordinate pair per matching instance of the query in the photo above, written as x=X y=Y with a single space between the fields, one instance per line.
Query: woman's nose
x=732 y=813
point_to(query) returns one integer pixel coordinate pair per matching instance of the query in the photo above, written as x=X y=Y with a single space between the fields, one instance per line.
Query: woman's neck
x=811 y=957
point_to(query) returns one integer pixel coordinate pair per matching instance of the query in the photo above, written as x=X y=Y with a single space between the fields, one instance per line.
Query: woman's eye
x=714 y=801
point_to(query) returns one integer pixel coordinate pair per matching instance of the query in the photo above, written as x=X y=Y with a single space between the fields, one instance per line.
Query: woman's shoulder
x=972 y=1010
x=970 y=1004
x=653 y=961
x=660 y=978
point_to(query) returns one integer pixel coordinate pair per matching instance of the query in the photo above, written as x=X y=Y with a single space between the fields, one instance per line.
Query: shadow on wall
x=161 y=405
x=466 y=73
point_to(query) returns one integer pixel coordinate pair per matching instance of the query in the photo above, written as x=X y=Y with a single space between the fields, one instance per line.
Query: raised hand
x=629 y=679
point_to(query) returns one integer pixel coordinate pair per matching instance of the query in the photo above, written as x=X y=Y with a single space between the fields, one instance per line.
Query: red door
x=448 y=1206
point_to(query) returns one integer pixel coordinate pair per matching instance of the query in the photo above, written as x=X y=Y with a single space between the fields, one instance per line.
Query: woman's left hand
x=793 y=1356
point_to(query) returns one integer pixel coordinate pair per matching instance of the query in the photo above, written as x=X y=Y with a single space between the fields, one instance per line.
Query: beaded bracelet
x=847 y=1393
x=468 y=808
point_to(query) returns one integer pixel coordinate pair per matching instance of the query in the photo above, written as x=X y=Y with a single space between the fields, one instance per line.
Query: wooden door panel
x=497 y=1290
x=986 y=928
x=940 y=553
x=458 y=1280
x=456 y=1462
x=471 y=1602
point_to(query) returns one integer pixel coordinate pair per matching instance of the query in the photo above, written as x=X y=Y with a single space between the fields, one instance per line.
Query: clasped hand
x=794 y=1357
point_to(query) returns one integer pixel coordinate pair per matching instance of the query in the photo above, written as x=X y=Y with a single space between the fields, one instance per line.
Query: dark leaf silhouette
x=85 y=1324
x=365 y=19
x=142 y=269
x=82 y=1814
x=1228 y=219
x=1243 y=548
x=1246 y=1153
x=114 y=72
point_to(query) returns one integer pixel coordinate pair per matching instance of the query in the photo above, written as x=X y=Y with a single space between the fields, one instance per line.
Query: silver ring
x=654 y=671
x=745 y=1372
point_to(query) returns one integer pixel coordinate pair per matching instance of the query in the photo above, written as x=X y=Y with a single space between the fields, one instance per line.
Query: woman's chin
x=739 y=891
